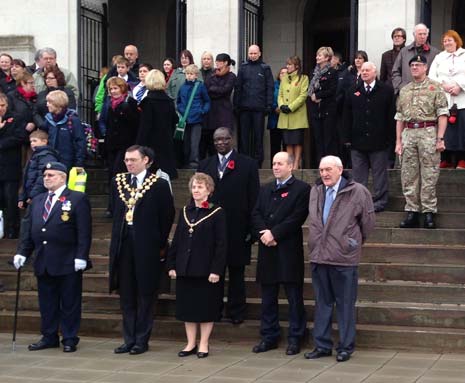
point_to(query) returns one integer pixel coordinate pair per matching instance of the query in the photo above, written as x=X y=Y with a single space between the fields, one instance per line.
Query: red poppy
x=10 y=120
x=205 y=205
x=432 y=87
x=284 y=195
x=426 y=48
x=62 y=199
x=231 y=164
x=357 y=93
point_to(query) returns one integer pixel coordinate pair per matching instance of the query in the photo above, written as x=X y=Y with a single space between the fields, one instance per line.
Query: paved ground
x=228 y=363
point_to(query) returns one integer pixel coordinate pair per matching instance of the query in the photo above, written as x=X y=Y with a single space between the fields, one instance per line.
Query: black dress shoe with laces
x=429 y=221
x=138 y=349
x=342 y=356
x=42 y=345
x=264 y=347
x=69 y=348
x=184 y=353
x=317 y=353
x=123 y=349
x=293 y=349
x=412 y=220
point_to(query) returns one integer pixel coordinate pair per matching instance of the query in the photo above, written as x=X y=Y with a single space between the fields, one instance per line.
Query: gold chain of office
x=135 y=194
x=192 y=225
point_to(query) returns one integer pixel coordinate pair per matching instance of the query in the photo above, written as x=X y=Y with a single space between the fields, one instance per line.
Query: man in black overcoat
x=281 y=209
x=143 y=215
x=236 y=190
x=369 y=131
x=59 y=231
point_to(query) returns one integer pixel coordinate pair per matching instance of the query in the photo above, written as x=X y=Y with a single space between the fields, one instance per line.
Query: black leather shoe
x=42 y=345
x=293 y=349
x=184 y=353
x=123 y=349
x=202 y=355
x=317 y=353
x=69 y=348
x=264 y=347
x=237 y=321
x=342 y=356
x=412 y=220
x=429 y=221
x=138 y=349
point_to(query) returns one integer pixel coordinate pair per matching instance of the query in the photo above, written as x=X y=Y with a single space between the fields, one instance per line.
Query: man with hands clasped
x=59 y=231
x=277 y=219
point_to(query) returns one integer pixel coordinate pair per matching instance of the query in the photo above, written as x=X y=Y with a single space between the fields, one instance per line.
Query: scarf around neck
x=318 y=72
x=116 y=101
x=27 y=95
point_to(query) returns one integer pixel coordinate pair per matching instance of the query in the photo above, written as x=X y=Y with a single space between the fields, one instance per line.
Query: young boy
x=199 y=108
x=33 y=182
x=122 y=67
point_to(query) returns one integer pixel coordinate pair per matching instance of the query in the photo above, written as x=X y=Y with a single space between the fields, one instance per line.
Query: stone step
x=387 y=291
x=374 y=313
x=398 y=337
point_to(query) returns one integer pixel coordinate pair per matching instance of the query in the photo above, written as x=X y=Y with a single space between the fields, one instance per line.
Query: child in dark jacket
x=199 y=108
x=33 y=182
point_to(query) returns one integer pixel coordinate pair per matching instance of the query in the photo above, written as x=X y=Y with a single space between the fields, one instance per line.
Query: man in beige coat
x=341 y=214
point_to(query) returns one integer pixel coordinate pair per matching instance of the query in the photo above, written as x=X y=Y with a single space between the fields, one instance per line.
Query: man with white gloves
x=58 y=229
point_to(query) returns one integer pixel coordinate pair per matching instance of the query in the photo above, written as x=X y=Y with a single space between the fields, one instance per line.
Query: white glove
x=79 y=264
x=19 y=261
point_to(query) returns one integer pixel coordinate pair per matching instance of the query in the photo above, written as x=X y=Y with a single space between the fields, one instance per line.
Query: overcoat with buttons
x=283 y=211
x=293 y=93
x=59 y=240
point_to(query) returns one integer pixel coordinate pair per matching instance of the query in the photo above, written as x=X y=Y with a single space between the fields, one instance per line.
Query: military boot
x=429 y=221
x=412 y=220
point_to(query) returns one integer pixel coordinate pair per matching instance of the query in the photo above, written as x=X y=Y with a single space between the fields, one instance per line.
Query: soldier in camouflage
x=421 y=123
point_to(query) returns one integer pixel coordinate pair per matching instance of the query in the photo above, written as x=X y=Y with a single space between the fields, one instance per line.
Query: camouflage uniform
x=420 y=102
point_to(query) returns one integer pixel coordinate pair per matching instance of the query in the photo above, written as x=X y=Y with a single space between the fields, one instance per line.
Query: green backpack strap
x=181 y=125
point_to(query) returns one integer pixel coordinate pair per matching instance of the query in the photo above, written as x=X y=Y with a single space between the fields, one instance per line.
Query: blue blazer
x=57 y=242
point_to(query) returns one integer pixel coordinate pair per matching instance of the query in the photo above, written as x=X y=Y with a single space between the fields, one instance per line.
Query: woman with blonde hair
x=157 y=122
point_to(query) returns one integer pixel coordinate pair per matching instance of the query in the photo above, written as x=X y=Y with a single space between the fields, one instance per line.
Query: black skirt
x=293 y=136
x=455 y=133
x=198 y=300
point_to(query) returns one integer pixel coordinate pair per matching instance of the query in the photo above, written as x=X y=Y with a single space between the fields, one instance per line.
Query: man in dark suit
x=341 y=215
x=59 y=231
x=281 y=209
x=142 y=219
x=236 y=190
x=369 y=130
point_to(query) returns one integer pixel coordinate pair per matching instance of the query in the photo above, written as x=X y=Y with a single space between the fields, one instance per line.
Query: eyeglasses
x=398 y=37
x=50 y=78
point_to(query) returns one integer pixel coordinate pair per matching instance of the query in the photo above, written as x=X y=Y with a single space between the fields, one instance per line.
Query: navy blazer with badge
x=153 y=218
x=57 y=242
x=236 y=192
x=283 y=211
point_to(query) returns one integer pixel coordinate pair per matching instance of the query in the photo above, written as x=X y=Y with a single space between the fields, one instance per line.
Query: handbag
x=181 y=125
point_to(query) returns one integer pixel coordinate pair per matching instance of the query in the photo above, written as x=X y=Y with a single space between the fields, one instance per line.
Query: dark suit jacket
x=369 y=119
x=204 y=251
x=236 y=193
x=57 y=242
x=153 y=217
x=283 y=211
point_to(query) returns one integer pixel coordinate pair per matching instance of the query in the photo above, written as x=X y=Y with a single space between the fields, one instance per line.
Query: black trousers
x=378 y=161
x=9 y=205
x=252 y=126
x=60 y=306
x=276 y=142
x=269 y=328
x=236 y=305
x=334 y=285
x=137 y=308
x=325 y=133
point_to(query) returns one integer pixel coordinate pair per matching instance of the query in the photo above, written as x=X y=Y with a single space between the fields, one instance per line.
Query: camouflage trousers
x=420 y=169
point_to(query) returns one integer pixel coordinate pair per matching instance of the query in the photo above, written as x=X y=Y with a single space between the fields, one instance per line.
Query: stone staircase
x=411 y=287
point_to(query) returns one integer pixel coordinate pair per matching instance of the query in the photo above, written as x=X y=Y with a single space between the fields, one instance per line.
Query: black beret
x=55 y=166
x=418 y=59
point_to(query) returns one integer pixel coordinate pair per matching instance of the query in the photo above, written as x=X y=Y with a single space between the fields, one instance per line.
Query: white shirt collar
x=220 y=156
x=57 y=194
x=125 y=78
x=140 y=177
x=283 y=182
x=372 y=84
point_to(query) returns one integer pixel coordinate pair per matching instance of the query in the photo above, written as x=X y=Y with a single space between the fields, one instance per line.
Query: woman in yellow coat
x=291 y=101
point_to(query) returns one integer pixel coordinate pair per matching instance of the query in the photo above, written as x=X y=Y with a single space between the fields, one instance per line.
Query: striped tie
x=48 y=206
x=140 y=94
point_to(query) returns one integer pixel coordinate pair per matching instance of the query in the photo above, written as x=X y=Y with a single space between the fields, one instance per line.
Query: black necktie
x=368 y=88
x=134 y=182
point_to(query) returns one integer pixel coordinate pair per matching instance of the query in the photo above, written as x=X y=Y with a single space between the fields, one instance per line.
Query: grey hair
x=371 y=64
x=418 y=26
x=48 y=50
x=333 y=160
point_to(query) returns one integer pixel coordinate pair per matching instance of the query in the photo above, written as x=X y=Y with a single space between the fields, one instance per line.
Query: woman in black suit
x=157 y=123
x=197 y=259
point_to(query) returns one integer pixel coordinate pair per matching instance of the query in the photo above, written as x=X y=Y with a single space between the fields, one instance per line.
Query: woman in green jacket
x=291 y=101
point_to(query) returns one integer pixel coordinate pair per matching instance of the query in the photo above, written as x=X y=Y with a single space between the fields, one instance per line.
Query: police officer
x=59 y=231
x=421 y=123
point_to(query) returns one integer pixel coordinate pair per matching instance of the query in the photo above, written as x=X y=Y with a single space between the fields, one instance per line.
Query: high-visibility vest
x=77 y=179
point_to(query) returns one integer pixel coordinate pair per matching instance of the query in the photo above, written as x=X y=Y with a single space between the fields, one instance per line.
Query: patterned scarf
x=318 y=72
